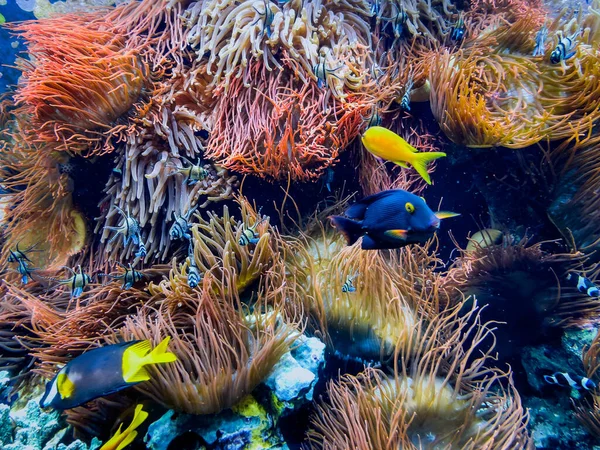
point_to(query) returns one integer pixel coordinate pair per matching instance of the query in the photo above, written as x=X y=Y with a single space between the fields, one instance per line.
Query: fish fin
x=397 y=234
x=351 y=229
x=137 y=356
x=64 y=386
x=368 y=243
x=401 y=164
x=134 y=359
x=110 y=444
x=128 y=440
x=445 y=214
x=420 y=160
x=357 y=210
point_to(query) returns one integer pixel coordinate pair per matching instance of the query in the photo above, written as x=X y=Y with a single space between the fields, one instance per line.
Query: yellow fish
x=387 y=145
x=122 y=439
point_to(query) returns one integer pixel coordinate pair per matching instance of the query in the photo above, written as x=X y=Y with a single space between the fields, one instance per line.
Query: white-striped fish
x=565 y=49
x=573 y=381
x=583 y=284
x=77 y=282
x=130 y=228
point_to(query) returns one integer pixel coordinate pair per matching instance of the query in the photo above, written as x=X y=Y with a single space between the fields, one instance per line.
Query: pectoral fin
x=445 y=214
x=397 y=234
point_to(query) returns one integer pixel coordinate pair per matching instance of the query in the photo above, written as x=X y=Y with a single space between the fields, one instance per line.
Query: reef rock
x=294 y=377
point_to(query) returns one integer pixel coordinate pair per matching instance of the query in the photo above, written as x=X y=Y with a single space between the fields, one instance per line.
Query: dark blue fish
x=458 y=30
x=389 y=219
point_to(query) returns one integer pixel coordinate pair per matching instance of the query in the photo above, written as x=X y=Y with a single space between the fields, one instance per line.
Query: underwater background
x=329 y=224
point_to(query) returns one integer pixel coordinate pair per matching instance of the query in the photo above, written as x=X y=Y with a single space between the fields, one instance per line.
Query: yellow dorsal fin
x=137 y=356
x=65 y=386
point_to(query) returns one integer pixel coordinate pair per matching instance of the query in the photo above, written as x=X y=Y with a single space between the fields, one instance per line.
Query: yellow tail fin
x=419 y=162
x=137 y=356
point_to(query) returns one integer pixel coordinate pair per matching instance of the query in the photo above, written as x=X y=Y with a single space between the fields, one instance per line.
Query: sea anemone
x=440 y=395
x=81 y=84
x=394 y=290
x=493 y=92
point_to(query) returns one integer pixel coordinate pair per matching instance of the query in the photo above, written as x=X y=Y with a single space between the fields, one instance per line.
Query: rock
x=293 y=378
x=247 y=425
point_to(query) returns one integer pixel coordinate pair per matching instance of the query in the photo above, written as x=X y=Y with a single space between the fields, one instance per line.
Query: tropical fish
x=193 y=172
x=77 y=282
x=2 y=19
x=398 y=21
x=129 y=277
x=130 y=228
x=540 y=41
x=25 y=271
x=484 y=238
x=267 y=17
x=458 y=30
x=375 y=118
x=565 y=49
x=405 y=101
x=17 y=255
x=322 y=73
x=193 y=273
x=122 y=439
x=181 y=227
x=142 y=252
x=328 y=179
x=387 y=145
x=249 y=234
x=584 y=285
x=103 y=371
x=573 y=381
x=389 y=219
x=348 y=285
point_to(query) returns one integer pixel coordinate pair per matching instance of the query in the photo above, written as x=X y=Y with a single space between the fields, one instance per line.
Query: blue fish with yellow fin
x=122 y=439
x=104 y=371
x=389 y=219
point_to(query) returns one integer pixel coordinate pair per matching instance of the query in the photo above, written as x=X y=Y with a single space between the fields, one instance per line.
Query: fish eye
x=410 y=208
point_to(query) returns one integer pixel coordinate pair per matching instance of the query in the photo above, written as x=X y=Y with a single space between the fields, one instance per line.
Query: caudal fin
x=137 y=356
x=351 y=229
x=419 y=162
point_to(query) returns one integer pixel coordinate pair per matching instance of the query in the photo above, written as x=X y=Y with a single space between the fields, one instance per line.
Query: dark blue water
x=8 y=52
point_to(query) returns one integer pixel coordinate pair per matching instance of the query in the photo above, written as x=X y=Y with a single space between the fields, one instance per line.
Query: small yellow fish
x=122 y=439
x=387 y=145
x=2 y=19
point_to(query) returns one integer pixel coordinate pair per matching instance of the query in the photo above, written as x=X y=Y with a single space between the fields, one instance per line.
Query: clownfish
x=565 y=49
x=584 y=285
x=573 y=381
x=387 y=145
x=103 y=371
x=122 y=439
x=389 y=219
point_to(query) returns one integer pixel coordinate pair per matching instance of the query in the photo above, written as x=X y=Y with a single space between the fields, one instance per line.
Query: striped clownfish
x=583 y=284
x=573 y=381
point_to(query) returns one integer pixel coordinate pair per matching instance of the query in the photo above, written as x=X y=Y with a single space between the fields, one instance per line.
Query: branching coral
x=588 y=411
x=440 y=396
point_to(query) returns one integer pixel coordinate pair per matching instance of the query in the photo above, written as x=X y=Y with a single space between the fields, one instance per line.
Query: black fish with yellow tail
x=104 y=371
x=389 y=219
